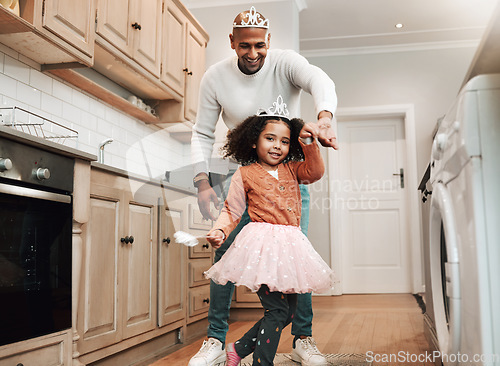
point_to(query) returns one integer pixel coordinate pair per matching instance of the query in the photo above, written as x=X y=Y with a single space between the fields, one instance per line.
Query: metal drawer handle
x=207 y=300
x=166 y=240
x=136 y=26
x=205 y=246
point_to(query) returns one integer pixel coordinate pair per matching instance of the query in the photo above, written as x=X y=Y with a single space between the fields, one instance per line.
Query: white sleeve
x=311 y=79
x=203 y=137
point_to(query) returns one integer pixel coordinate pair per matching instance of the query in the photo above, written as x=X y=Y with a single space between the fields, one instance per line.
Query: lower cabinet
x=54 y=350
x=119 y=265
x=171 y=267
x=134 y=287
x=200 y=260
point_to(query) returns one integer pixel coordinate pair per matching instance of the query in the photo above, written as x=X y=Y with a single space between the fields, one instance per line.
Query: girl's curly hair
x=240 y=140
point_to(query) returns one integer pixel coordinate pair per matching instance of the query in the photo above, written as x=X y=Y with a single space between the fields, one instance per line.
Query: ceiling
x=350 y=26
x=364 y=24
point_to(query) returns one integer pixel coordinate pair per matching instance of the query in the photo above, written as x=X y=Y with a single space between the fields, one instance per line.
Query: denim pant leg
x=302 y=322
x=220 y=296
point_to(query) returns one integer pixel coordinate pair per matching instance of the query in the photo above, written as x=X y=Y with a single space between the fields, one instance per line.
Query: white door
x=370 y=201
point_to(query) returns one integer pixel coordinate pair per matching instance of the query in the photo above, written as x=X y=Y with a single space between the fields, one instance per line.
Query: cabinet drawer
x=53 y=351
x=196 y=220
x=202 y=250
x=196 y=269
x=244 y=294
x=199 y=299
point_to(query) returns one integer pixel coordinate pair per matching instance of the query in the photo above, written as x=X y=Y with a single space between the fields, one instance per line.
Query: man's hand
x=326 y=135
x=215 y=238
x=206 y=195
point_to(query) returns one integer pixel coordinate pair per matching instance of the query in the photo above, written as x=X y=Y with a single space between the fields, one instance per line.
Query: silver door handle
x=401 y=177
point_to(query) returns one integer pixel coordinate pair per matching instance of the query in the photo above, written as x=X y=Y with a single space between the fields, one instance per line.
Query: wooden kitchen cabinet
x=132 y=27
x=173 y=70
x=120 y=267
x=183 y=63
x=51 y=32
x=200 y=260
x=134 y=293
x=171 y=267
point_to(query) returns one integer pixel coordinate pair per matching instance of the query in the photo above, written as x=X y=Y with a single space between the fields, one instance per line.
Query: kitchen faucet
x=101 y=150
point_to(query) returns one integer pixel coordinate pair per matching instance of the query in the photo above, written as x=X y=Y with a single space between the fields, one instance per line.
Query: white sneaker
x=210 y=354
x=307 y=353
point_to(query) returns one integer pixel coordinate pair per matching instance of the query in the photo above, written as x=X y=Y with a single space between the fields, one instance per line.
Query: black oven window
x=35 y=267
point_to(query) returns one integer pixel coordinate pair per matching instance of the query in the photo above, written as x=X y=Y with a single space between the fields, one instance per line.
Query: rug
x=343 y=359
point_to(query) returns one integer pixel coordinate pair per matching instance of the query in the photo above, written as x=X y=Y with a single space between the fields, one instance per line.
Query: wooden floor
x=387 y=328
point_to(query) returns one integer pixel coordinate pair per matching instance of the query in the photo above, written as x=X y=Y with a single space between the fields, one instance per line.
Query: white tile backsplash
x=137 y=147
x=80 y=100
x=41 y=81
x=16 y=70
x=8 y=85
x=52 y=105
x=62 y=91
x=28 y=94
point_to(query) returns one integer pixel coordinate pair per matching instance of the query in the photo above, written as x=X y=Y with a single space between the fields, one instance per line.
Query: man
x=237 y=87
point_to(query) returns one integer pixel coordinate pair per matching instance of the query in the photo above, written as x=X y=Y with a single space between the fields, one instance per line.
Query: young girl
x=270 y=255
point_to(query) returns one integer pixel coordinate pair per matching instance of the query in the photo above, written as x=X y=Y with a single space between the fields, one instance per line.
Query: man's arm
x=316 y=82
x=202 y=142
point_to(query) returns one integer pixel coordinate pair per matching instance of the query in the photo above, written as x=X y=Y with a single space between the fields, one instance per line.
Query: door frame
x=407 y=114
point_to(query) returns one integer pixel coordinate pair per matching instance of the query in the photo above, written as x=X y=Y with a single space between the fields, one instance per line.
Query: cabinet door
x=147 y=34
x=171 y=265
x=174 y=47
x=195 y=59
x=113 y=23
x=73 y=21
x=139 y=269
x=98 y=311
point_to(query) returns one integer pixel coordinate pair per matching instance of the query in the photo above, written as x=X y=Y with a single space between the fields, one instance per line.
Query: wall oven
x=35 y=241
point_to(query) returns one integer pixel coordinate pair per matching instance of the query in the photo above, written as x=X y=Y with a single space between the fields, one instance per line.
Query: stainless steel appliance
x=35 y=241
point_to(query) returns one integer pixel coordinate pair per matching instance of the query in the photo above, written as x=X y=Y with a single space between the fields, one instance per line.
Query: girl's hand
x=215 y=238
x=309 y=130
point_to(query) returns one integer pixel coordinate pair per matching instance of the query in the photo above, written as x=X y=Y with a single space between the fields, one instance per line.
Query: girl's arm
x=234 y=206
x=313 y=168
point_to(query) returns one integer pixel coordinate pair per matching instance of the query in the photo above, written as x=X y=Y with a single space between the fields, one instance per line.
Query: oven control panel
x=28 y=164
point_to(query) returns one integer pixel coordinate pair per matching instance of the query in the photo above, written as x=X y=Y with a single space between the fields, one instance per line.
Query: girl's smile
x=273 y=144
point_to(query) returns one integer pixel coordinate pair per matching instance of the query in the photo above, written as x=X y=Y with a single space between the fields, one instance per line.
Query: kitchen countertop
x=159 y=181
x=22 y=137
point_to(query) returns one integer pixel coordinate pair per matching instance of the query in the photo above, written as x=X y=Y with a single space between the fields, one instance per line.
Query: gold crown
x=255 y=20
x=277 y=110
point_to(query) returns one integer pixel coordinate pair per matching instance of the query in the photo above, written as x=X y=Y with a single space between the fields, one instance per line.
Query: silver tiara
x=277 y=110
x=255 y=20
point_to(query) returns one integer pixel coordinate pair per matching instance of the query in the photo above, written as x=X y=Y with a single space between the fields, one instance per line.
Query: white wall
x=428 y=79
x=137 y=147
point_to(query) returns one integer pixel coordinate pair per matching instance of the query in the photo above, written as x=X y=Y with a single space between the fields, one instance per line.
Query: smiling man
x=235 y=88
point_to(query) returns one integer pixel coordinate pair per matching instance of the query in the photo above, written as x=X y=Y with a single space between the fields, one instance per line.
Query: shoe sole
x=219 y=361
x=221 y=358
x=297 y=358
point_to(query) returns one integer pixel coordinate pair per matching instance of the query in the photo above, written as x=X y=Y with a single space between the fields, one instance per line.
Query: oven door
x=35 y=262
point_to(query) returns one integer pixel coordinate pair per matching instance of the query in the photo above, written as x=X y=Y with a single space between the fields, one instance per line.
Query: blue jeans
x=220 y=296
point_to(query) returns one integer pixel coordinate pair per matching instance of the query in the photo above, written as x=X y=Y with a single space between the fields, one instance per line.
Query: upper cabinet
x=155 y=49
x=183 y=64
x=51 y=32
x=174 y=54
x=132 y=27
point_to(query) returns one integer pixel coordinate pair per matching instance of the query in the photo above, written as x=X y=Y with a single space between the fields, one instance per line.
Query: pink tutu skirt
x=279 y=256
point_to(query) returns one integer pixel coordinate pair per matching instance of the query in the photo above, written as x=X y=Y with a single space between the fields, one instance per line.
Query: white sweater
x=224 y=88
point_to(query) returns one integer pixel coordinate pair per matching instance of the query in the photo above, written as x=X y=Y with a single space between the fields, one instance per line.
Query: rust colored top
x=271 y=200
